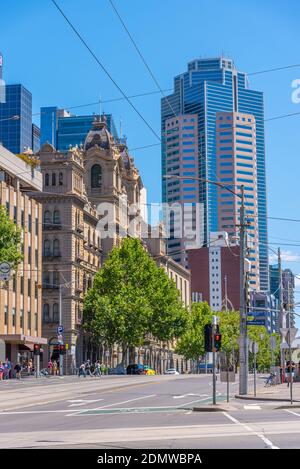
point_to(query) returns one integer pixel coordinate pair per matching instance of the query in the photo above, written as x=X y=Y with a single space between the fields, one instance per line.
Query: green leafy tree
x=191 y=344
x=10 y=239
x=132 y=297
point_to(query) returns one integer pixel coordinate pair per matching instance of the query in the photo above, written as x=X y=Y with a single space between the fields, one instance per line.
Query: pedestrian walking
x=1 y=370
x=7 y=369
x=88 y=368
x=81 y=371
x=18 y=369
x=97 y=371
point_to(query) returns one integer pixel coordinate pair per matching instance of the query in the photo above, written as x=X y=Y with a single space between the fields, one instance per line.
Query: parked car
x=148 y=370
x=118 y=370
x=171 y=371
x=135 y=369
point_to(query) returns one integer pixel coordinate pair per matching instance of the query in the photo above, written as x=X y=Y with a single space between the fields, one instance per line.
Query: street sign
x=256 y=322
x=256 y=314
x=230 y=376
x=5 y=271
x=60 y=330
x=107 y=353
x=254 y=347
x=293 y=334
x=59 y=338
x=273 y=342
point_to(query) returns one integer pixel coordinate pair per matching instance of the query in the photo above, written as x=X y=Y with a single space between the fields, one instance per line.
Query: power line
x=105 y=70
x=141 y=56
x=274 y=69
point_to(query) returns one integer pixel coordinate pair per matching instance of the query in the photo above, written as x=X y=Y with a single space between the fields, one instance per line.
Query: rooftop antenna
x=120 y=127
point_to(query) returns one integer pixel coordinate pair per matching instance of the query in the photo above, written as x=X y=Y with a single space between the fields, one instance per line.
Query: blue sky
x=41 y=52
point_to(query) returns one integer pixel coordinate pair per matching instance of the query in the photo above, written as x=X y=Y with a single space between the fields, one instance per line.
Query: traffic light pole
x=243 y=371
x=214 y=330
x=61 y=357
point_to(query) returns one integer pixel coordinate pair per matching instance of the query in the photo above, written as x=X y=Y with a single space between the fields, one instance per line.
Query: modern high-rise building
x=236 y=166
x=288 y=288
x=62 y=129
x=17 y=133
x=210 y=86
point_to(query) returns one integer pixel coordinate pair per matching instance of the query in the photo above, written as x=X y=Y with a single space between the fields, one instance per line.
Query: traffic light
x=217 y=341
x=36 y=349
x=62 y=349
x=208 y=338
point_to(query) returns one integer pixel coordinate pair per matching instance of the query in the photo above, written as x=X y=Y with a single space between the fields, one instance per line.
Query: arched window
x=46 y=179
x=56 y=249
x=47 y=251
x=60 y=179
x=53 y=179
x=56 y=217
x=96 y=176
x=55 y=312
x=47 y=217
x=46 y=316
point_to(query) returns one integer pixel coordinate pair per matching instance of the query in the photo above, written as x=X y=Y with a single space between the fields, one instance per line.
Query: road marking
x=252 y=407
x=291 y=412
x=80 y=402
x=185 y=395
x=268 y=443
x=115 y=403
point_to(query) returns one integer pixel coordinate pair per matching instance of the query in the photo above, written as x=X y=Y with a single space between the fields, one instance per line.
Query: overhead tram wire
x=105 y=70
x=141 y=56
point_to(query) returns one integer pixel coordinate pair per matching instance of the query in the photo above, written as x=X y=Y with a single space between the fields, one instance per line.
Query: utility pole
x=243 y=371
x=61 y=357
x=281 y=313
x=214 y=330
x=290 y=344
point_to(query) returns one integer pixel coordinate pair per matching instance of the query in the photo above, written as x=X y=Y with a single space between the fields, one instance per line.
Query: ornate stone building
x=79 y=188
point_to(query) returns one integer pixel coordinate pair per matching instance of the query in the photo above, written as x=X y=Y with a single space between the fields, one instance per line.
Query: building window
x=47 y=251
x=14 y=317
x=47 y=217
x=56 y=248
x=60 y=179
x=46 y=315
x=5 y=315
x=46 y=179
x=21 y=318
x=29 y=223
x=46 y=279
x=96 y=176
x=55 y=312
x=56 y=217
x=53 y=179
x=29 y=320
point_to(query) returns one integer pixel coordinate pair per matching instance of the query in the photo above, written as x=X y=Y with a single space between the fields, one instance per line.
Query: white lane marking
x=192 y=402
x=110 y=405
x=125 y=402
x=260 y=435
x=191 y=394
x=291 y=412
x=252 y=407
x=80 y=402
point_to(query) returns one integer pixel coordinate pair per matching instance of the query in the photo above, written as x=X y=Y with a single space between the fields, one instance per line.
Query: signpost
x=5 y=271
x=256 y=322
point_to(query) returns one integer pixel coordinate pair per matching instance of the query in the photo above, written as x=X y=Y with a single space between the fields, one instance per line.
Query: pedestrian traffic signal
x=208 y=338
x=217 y=341
x=36 y=349
x=62 y=349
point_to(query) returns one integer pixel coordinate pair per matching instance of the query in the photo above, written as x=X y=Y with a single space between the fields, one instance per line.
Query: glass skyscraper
x=16 y=119
x=210 y=86
x=61 y=129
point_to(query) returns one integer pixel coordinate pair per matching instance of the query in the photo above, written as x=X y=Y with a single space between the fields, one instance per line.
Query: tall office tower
x=36 y=135
x=62 y=129
x=16 y=116
x=16 y=119
x=181 y=146
x=236 y=166
x=207 y=87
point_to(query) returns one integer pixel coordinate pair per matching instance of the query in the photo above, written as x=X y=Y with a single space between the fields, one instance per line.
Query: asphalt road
x=141 y=412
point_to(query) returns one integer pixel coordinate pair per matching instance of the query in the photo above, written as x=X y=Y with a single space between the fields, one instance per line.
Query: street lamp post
x=243 y=346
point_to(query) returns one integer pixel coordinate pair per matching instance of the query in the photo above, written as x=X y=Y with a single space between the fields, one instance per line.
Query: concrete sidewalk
x=280 y=393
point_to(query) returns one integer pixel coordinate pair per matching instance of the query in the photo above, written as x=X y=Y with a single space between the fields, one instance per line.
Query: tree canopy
x=132 y=297
x=10 y=238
